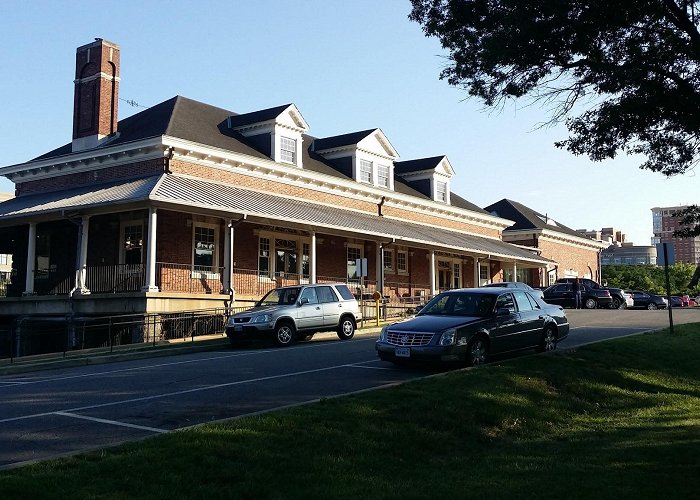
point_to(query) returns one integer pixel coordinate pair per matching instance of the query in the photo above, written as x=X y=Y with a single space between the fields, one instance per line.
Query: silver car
x=290 y=313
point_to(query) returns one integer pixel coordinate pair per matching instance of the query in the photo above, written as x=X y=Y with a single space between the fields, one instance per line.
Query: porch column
x=476 y=272
x=378 y=264
x=228 y=258
x=31 y=260
x=515 y=271
x=80 y=285
x=312 y=258
x=433 y=288
x=151 y=258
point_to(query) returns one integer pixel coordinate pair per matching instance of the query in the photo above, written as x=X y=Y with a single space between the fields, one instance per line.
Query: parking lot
x=51 y=413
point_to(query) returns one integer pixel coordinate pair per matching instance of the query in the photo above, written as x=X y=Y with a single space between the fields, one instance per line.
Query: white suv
x=294 y=312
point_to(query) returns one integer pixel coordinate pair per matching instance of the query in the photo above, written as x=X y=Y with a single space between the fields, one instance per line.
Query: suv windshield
x=460 y=304
x=280 y=296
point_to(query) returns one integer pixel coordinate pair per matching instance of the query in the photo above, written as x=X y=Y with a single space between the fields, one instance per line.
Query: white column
x=228 y=258
x=31 y=260
x=515 y=271
x=433 y=288
x=81 y=271
x=151 y=257
x=378 y=264
x=476 y=272
x=312 y=258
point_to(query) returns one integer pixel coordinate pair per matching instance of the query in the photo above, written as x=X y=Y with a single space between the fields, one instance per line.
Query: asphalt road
x=53 y=413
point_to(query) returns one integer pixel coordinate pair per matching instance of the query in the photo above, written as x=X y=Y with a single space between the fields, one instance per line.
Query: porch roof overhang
x=195 y=195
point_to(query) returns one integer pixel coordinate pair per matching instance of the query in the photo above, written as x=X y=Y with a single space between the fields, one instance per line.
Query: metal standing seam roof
x=190 y=192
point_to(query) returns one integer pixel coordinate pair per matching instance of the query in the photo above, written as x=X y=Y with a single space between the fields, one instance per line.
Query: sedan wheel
x=284 y=334
x=591 y=303
x=477 y=352
x=616 y=303
x=346 y=328
x=549 y=340
x=652 y=306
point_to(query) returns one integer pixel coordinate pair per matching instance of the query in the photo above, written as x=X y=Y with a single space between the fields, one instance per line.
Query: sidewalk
x=68 y=359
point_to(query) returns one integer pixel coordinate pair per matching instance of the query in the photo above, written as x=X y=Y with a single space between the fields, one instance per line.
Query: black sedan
x=644 y=300
x=471 y=324
x=563 y=294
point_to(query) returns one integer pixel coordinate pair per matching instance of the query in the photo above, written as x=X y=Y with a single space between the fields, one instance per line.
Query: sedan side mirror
x=503 y=311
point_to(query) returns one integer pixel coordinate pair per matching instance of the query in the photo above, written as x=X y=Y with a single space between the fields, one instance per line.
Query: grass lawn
x=619 y=419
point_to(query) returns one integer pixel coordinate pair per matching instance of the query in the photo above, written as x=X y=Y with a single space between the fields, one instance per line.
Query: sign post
x=669 y=257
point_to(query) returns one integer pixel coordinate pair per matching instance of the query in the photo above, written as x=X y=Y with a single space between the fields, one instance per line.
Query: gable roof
x=338 y=141
x=261 y=115
x=526 y=218
x=418 y=165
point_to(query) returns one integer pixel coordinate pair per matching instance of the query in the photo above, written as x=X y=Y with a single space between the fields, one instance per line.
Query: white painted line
x=186 y=391
x=111 y=422
x=175 y=363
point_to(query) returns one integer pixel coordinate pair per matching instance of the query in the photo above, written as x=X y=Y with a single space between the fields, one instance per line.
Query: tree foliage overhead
x=631 y=66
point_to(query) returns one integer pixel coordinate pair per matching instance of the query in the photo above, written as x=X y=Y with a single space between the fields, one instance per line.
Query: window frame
x=404 y=254
x=197 y=273
x=362 y=169
x=287 y=150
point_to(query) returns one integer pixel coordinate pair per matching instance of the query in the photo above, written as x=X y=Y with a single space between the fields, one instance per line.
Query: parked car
x=471 y=324
x=676 y=301
x=293 y=312
x=563 y=294
x=620 y=300
x=517 y=284
x=644 y=300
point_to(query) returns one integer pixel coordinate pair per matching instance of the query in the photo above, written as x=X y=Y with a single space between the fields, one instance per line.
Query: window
x=204 y=247
x=4 y=259
x=456 y=276
x=133 y=244
x=354 y=254
x=264 y=257
x=310 y=294
x=366 y=171
x=285 y=257
x=402 y=261
x=288 y=150
x=522 y=301
x=441 y=191
x=484 y=276
x=383 y=176
x=388 y=260
x=326 y=294
x=305 y=260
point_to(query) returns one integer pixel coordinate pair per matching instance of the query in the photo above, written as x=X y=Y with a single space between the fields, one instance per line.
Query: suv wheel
x=346 y=328
x=285 y=333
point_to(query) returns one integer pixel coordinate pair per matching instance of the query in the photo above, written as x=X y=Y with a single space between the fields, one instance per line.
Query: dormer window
x=383 y=176
x=288 y=150
x=441 y=191
x=366 y=171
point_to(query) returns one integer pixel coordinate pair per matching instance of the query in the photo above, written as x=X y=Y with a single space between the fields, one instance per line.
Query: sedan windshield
x=460 y=304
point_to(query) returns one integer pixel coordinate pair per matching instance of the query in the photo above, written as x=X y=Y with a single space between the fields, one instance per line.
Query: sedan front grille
x=408 y=339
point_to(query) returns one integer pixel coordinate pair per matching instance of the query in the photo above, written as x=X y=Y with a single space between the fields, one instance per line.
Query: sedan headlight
x=382 y=334
x=448 y=337
x=263 y=318
x=230 y=321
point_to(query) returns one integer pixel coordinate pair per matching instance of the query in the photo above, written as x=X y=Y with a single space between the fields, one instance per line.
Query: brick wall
x=570 y=257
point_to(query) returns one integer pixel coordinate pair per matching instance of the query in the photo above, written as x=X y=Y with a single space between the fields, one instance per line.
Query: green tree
x=631 y=68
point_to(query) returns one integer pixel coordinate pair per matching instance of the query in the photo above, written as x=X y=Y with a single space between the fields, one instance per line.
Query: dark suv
x=293 y=312
x=619 y=300
x=562 y=294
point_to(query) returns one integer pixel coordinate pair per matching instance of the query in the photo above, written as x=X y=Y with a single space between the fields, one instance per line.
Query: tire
x=285 y=333
x=548 y=341
x=346 y=328
x=616 y=303
x=590 y=303
x=477 y=351
x=652 y=307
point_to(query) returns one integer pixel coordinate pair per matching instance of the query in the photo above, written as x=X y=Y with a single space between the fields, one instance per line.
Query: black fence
x=36 y=335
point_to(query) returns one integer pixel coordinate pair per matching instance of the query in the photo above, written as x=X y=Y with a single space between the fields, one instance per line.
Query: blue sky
x=347 y=65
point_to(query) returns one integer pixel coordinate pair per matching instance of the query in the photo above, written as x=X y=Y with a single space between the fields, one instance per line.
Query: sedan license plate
x=237 y=328
x=402 y=352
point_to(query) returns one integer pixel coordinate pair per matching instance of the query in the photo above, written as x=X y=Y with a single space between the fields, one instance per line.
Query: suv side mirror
x=304 y=300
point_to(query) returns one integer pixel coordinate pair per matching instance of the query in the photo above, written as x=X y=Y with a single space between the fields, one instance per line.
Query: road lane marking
x=110 y=422
x=185 y=391
x=25 y=381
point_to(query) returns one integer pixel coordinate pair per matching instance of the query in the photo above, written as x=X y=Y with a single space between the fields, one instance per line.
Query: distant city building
x=606 y=235
x=628 y=254
x=664 y=224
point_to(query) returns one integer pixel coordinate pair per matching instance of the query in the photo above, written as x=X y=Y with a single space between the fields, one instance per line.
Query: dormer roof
x=431 y=164
x=360 y=140
x=286 y=114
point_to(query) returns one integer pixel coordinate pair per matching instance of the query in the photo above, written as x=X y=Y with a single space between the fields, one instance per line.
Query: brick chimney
x=96 y=94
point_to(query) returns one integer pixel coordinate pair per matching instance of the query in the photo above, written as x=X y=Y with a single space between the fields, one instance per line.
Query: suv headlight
x=448 y=337
x=263 y=318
